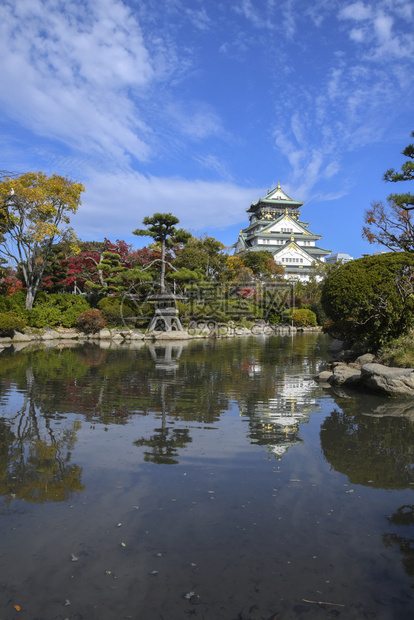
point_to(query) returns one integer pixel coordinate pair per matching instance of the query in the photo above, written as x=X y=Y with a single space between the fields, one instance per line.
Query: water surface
x=209 y=479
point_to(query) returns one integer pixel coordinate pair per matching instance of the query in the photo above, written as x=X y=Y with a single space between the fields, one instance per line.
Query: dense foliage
x=10 y=322
x=370 y=300
x=210 y=284
x=57 y=309
x=35 y=212
x=405 y=200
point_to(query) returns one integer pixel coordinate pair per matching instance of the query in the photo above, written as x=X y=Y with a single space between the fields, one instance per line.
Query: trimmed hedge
x=370 y=300
x=10 y=322
x=304 y=318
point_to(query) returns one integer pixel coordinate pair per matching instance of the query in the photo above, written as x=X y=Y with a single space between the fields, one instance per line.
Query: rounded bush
x=10 y=322
x=116 y=310
x=370 y=300
x=91 y=321
x=304 y=318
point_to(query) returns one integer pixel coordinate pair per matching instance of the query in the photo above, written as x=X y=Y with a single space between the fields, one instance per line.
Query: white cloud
x=115 y=204
x=384 y=31
x=383 y=27
x=357 y=11
x=210 y=162
x=252 y=14
x=197 y=120
x=358 y=35
x=199 y=18
x=68 y=70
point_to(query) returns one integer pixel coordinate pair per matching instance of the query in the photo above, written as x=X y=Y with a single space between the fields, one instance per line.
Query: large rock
x=136 y=334
x=19 y=337
x=367 y=358
x=67 y=334
x=104 y=334
x=345 y=375
x=324 y=376
x=176 y=335
x=390 y=381
x=49 y=334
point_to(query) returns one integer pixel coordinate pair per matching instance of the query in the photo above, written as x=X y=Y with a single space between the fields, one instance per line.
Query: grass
x=399 y=352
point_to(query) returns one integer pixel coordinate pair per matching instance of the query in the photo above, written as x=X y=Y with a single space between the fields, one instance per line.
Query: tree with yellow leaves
x=34 y=214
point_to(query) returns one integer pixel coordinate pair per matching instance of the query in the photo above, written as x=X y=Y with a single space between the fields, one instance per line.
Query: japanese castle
x=275 y=226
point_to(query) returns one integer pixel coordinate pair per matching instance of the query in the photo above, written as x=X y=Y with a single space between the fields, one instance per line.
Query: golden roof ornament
x=292 y=238
x=278 y=185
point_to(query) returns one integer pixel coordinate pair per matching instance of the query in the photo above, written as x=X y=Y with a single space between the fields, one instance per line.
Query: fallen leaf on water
x=189 y=595
x=323 y=603
x=154 y=572
x=17 y=607
x=123 y=545
x=74 y=557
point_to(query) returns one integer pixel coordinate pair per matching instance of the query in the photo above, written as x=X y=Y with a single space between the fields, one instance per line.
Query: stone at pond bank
x=345 y=375
x=365 y=375
x=386 y=380
x=167 y=336
x=119 y=336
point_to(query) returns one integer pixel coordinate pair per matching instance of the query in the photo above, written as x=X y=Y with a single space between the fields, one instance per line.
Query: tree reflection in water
x=403 y=518
x=194 y=382
x=370 y=450
x=163 y=446
x=34 y=456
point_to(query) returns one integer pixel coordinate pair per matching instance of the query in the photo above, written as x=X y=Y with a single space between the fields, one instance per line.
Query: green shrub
x=10 y=322
x=304 y=318
x=399 y=352
x=91 y=321
x=274 y=318
x=57 y=309
x=118 y=310
x=370 y=300
x=40 y=316
x=317 y=308
x=16 y=304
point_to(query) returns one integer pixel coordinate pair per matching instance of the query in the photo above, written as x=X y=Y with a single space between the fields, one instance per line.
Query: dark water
x=210 y=480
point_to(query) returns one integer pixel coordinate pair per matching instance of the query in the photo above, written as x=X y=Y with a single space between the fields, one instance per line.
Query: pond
x=206 y=479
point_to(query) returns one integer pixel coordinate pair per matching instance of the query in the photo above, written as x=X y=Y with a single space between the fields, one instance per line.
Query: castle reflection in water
x=275 y=423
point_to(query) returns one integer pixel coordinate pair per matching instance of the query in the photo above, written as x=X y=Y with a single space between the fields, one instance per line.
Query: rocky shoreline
x=367 y=375
x=108 y=336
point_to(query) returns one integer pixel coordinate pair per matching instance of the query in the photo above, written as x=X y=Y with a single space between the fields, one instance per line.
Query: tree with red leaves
x=84 y=267
x=9 y=282
x=389 y=225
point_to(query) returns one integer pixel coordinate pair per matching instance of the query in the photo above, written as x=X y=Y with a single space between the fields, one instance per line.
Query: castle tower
x=275 y=226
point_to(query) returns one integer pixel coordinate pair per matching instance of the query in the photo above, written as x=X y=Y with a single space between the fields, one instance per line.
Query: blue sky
x=197 y=107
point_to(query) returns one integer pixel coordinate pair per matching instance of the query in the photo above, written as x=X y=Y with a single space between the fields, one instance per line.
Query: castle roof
x=275 y=198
